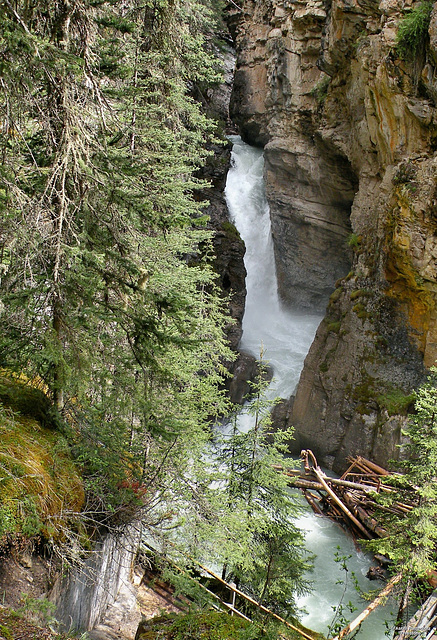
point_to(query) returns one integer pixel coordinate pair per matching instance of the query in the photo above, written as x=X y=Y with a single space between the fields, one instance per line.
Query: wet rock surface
x=228 y=247
x=244 y=369
x=350 y=134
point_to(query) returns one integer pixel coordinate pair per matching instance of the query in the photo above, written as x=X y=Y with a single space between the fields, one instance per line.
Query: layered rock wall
x=309 y=181
x=350 y=132
x=83 y=596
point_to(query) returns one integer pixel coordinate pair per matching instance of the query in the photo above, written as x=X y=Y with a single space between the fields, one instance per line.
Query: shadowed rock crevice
x=310 y=191
x=349 y=129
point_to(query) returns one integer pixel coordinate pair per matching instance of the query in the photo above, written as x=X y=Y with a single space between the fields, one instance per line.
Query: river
x=285 y=336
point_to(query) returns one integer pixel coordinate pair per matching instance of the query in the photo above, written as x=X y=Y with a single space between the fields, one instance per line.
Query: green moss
x=325 y=364
x=396 y=402
x=365 y=391
x=358 y=293
x=354 y=241
x=360 y=310
x=6 y=632
x=38 y=479
x=320 y=90
x=334 y=327
x=209 y=625
x=230 y=230
x=362 y=409
x=335 y=295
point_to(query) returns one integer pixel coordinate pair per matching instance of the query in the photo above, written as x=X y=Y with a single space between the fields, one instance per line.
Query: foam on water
x=285 y=335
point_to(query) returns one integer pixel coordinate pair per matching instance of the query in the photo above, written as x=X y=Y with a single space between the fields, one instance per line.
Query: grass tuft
x=39 y=482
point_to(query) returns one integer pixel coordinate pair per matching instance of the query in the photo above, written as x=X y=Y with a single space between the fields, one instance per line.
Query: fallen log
x=372 y=466
x=340 y=482
x=368 y=521
x=368 y=610
x=295 y=480
x=233 y=589
x=321 y=478
x=350 y=498
x=312 y=501
x=299 y=483
x=252 y=601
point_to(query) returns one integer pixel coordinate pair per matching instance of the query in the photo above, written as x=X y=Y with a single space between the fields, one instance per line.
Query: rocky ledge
x=349 y=127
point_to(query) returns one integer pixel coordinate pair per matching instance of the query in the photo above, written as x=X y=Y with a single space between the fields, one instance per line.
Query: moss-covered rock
x=39 y=481
x=209 y=625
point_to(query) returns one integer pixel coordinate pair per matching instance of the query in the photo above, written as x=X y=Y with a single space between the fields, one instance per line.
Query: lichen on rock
x=350 y=128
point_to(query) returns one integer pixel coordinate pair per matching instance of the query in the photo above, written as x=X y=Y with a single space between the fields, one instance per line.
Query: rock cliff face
x=228 y=247
x=83 y=597
x=350 y=133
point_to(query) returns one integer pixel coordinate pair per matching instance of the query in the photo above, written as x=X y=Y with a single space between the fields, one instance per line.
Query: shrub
x=320 y=90
x=353 y=240
x=413 y=30
x=396 y=402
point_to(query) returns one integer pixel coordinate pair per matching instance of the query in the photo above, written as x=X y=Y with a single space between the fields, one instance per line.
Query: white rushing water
x=285 y=337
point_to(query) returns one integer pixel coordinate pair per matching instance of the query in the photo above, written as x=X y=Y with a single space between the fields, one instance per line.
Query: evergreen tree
x=108 y=300
x=412 y=539
x=244 y=520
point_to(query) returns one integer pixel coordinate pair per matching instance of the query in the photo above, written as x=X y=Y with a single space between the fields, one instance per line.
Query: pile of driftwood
x=349 y=499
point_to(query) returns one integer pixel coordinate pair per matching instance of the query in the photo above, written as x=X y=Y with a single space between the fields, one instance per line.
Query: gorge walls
x=349 y=130
x=310 y=184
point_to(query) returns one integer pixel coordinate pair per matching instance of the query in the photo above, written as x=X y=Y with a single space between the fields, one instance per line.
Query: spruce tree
x=412 y=540
x=108 y=299
x=245 y=514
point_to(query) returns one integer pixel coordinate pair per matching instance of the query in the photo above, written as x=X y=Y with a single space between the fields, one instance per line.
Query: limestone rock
x=360 y=369
x=310 y=195
x=350 y=135
x=433 y=36
x=84 y=596
x=310 y=184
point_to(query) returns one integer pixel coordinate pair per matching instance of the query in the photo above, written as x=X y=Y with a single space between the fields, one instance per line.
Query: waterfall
x=285 y=336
